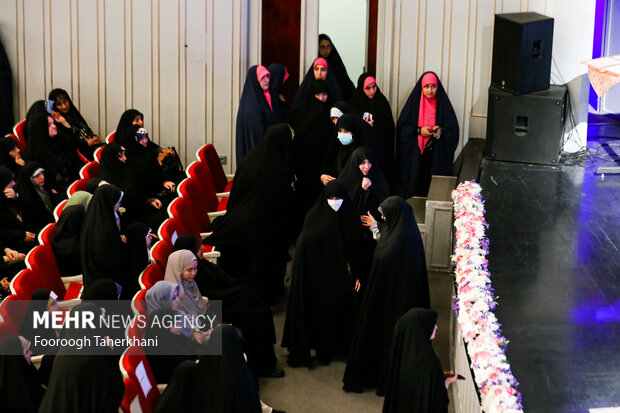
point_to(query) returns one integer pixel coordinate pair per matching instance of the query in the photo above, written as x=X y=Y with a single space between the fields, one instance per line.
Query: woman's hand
x=19 y=160
x=58 y=118
x=5 y=284
x=156 y=203
x=357 y=286
x=326 y=179
x=169 y=185
x=366 y=183
x=29 y=237
x=123 y=239
x=9 y=193
x=451 y=377
x=426 y=131
x=12 y=255
x=367 y=220
x=437 y=133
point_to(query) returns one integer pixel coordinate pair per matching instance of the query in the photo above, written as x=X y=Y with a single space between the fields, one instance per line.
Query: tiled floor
x=555 y=261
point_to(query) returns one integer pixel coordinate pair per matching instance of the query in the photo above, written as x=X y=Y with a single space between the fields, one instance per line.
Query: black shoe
x=352 y=389
x=275 y=374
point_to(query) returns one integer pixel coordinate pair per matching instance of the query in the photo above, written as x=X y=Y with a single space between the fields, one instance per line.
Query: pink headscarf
x=369 y=81
x=261 y=72
x=428 y=107
x=319 y=61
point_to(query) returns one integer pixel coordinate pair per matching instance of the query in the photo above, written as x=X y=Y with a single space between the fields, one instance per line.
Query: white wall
x=111 y=55
x=345 y=22
x=454 y=38
x=116 y=54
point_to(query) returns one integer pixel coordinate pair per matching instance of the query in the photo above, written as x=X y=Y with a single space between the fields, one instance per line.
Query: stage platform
x=555 y=261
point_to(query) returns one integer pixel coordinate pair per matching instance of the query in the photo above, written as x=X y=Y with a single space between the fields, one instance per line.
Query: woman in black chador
x=328 y=51
x=415 y=380
x=66 y=242
x=103 y=250
x=368 y=99
x=255 y=233
x=427 y=134
x=397 y=282
x=313 y=128
x=20 y=388
x=321 y=309
x=258 y=110
x=36 y=197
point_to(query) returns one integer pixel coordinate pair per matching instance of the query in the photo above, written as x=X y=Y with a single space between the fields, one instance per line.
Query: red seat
x=201 y=172
x=41 y=260
x=160 y=252
x=111 y=137
x=89 y=170
x=25 y=283
x=78 y=185
x=136 y=329
x=12 y=313
x=150 y=276
x=138 y=304
x=181 y=209
x=131 y=401
x=82 y=157
x=97 y=154
x=59 y=208
x=169 y=230
x=221 y=206
x=190 y=188
x=18 y=130
x=134 y=365
x=208 y=155
x=46 y=236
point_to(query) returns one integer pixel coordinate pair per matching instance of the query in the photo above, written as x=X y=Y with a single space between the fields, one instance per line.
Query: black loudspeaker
x=526 y=128
x=522 y=45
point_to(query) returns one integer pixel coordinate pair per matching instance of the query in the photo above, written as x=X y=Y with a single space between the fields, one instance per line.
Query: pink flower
x=498 y=392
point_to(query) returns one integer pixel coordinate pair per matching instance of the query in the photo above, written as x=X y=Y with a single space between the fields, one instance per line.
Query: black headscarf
x=102 y=252
x=39 y=107
x=93 y=184
x=322 y=289
x=104 y=289
x=351 y=178
x=37 y=203
x=408 y=156
x=118 y=173
x=226 y=384
x=181 y=392
x=42 y=148
x=20 y=389
x=383 y=124
x=7 y=145
x=83 y=383
x=336 y=65
x=334 y=91
x=66 y=243
x=415 y=380
x=312 y=132
x=78 y=125
x=277 y=78
x=254 y=115
x=122 y=130
x=397 y=283
x=338 y=154
x=145 y=170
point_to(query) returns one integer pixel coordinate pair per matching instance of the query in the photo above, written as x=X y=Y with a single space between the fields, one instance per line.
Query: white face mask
x=335 y=204
x=345 y=138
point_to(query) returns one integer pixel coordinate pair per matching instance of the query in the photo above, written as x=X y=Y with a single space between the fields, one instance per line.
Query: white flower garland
x=474 y=304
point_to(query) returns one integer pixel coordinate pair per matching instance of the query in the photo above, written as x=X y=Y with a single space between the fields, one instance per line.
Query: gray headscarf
x=191 y=299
